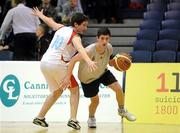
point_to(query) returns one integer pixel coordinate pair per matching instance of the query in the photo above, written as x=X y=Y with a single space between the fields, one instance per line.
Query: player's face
x=82 y=27
x=103 y=40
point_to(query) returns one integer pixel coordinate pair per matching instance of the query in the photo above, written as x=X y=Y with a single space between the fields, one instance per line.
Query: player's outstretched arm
x=49 y=21
x=77 y=43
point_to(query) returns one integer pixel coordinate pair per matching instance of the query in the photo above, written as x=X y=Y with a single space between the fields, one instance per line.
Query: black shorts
x=92 y=89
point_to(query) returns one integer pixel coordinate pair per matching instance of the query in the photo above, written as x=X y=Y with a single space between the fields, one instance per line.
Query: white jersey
x=61 y=48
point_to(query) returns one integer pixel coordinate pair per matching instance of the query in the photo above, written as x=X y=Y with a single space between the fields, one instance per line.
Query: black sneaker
x=40 y=122
x=74 y=124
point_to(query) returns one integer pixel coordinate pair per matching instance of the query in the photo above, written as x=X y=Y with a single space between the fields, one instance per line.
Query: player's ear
x=76 y=25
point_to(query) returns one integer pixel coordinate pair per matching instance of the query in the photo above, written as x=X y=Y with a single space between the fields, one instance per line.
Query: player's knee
x=56 y=94
x=115 y=86
x=75 y=90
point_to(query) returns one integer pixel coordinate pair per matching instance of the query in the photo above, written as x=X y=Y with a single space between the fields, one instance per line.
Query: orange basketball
x=122 y=62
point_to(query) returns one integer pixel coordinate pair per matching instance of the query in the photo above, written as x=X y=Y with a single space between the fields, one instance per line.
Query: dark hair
x=33 y=3
x=78 y=18
x=18 y=1
x=103 y=31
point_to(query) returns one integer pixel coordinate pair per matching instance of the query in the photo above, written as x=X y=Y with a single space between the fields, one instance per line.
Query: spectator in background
x=114 y=12
x=50 y=10
x=101 y=10
x=43 y=40
x=137 y=4
x=3 y=47
x=59 y=7
x=54 y=3
x=69 y=8
x=8 y=42
x=108 y=10
x=24 y=26
x=7 y=5
x=2 y=2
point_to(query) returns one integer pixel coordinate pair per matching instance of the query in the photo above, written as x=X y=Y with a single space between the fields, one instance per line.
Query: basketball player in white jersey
x=100 y=52
x=54 y=63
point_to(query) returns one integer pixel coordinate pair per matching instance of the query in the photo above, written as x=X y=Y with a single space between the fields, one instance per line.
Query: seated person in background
x=3 y=47
x=59 y=6
x=8 y=42
x=43 y=40
x=69 y=8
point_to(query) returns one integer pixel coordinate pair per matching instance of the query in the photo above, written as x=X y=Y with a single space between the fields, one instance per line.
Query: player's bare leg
x=92 y=110
x=50 y=100
x=93 y=105
x=74 y=102
x=119 y=93
x=120 y=100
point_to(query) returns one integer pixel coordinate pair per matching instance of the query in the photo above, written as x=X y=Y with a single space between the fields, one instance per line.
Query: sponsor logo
x=9 y=90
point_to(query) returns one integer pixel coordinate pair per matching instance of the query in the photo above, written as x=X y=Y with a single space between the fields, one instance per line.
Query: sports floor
x=14 y=127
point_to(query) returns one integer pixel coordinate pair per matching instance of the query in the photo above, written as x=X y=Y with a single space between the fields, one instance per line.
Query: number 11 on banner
x=163 y=88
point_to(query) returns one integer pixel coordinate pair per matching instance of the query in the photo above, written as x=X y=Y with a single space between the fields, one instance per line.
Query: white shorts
x=53 y=74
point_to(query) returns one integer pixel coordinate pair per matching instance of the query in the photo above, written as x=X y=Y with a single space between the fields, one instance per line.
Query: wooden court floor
x=16 y=127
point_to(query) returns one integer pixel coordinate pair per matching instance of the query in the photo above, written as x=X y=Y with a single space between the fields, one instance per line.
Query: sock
x=91 y=116
x=73 y=119
x=40 y=117
x=121 y=107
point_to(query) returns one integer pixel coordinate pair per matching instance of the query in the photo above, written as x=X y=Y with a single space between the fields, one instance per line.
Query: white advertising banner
x=23 y=90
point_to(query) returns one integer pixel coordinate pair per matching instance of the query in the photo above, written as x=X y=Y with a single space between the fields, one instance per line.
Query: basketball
x=122 y=62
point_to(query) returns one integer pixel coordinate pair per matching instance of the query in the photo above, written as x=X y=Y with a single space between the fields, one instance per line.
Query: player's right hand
x=65 y=83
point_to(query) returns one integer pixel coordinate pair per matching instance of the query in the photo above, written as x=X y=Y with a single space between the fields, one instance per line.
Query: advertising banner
x=23 y=90
x=152 y=92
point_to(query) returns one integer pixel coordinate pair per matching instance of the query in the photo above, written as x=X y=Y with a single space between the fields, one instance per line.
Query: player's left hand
x=37 y=12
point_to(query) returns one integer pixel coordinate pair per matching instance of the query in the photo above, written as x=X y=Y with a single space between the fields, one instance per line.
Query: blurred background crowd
x=37 y=35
